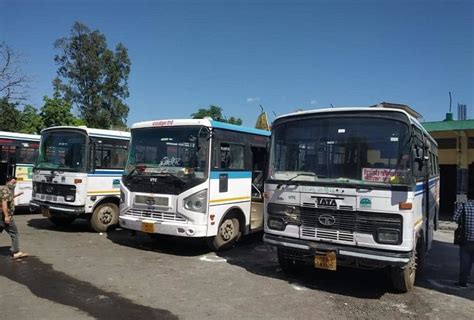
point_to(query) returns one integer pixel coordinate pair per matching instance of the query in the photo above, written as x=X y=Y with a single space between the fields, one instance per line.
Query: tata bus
x=77 y=175
x=18 y=152
x=352 y=187
x=196 y=178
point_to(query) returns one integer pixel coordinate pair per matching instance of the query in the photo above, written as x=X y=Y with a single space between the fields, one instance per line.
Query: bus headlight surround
x=276 y=223
x=388 y=236
x=196 y=202
x=290 y=214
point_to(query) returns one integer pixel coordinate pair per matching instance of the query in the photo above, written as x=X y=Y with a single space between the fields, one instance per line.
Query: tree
x=10 y=119
x=56 y=111
x=31 y=121
x=13 y=82
x=215 y=112
x=93 y=77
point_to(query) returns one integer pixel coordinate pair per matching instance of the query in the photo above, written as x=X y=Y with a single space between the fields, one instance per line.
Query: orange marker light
x=76 y=181
x=405 y=205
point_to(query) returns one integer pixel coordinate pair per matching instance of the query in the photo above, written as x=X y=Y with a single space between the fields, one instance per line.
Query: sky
x=284 y=55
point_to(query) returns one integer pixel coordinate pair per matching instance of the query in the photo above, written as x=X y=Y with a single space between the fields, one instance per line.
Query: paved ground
x=77 y=274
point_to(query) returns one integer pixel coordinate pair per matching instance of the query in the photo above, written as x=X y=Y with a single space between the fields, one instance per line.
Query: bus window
x=111 y=154
x=232 y=156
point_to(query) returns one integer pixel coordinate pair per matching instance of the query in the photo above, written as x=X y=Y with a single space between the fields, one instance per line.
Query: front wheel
x=227 y=234
x=403 y=278
x=104 y=217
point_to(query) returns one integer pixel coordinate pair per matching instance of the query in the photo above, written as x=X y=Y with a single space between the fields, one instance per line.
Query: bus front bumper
x=348 y=254
x=162 y=227
x=54 y=209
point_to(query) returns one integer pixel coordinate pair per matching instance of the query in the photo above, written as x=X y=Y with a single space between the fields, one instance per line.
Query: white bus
x=194 y=178
x=77 y=175
x=18 y=152
x=352 y=186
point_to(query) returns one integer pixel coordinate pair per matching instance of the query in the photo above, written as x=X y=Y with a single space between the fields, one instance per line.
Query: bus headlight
x=70 y=198
x=388 y=236
x=289 y=214
x=196 y=202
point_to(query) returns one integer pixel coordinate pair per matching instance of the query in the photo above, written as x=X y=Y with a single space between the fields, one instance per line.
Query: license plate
x=148 y=227
x=45 y=212
x=326 y=261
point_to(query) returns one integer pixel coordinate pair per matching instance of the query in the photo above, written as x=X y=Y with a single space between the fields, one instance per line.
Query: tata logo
x=326 y=202
x=150 y=201
x=153 y=180
x=49 y=189
x=327 y=220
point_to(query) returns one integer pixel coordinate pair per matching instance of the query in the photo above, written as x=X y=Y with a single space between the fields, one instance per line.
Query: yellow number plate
x=327 y=261
x=45 y=212
x=148 y=227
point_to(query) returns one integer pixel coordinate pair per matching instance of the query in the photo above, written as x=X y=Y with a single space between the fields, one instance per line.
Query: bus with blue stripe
x=77 y=175
x=196 y=178
x=355 y=187
x=18 y=152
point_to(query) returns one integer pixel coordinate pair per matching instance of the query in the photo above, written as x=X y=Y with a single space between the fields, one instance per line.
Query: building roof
x=453 y=125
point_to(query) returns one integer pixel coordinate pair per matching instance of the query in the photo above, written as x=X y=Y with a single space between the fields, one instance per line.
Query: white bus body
x=18 y=155
x=194 y=178
x=345 y=187
x=77 y=175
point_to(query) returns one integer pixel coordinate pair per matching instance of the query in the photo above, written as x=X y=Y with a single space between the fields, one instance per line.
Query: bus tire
x=104 y=217
x=403 y=278
x=62 y=221
x=227 y=234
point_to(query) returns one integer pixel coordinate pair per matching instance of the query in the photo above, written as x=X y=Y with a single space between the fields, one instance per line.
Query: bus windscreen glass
x=62 y=150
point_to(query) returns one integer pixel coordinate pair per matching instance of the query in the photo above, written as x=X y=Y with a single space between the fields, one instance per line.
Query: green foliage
x=56 y=111
x=31 y=121
x=10 y=119
x=215 y=112
x=93 y=77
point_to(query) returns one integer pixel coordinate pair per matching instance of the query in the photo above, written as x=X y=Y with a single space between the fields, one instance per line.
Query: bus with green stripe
x=196 y=178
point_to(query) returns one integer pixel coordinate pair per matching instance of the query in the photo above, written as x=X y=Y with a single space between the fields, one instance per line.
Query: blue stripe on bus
x=232 y=174
x=233 y=127
x=420 y=187
x=105 y=173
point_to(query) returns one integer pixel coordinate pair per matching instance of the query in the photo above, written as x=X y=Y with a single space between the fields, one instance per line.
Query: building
x=456 y=159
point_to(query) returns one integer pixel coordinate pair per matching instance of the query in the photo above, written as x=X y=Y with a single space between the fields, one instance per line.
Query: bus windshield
x=169 y=151
x=62 y=150
x=341 y=149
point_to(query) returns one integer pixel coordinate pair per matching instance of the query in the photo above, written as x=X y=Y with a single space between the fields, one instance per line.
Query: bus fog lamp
x=388 y=236
x=276 y=224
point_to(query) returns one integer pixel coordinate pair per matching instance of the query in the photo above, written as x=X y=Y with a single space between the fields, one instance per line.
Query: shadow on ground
x=439 y=274
x=442 y=269
x=158 y=243
x=79 y=225
x=36 y=276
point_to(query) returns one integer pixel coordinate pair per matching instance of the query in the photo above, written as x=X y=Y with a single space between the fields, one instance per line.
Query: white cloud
x=313 y=102
x=255 y=99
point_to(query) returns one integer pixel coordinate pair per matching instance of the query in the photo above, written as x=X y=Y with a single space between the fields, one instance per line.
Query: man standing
x=7 y=222
x=466 y=249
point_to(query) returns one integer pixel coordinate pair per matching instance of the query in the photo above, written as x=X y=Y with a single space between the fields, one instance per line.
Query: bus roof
x=19 y=136
x=100 y=133
x=199 y=122
x=411 y=118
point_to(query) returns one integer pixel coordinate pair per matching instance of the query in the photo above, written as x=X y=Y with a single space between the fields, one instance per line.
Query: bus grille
x=155 y=215
x=343 y=223
x=54 y=189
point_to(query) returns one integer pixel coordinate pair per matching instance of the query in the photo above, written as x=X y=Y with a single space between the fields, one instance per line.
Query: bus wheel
x=104 y=217
x=403 y=278
x=227 y=234
x=62 y=221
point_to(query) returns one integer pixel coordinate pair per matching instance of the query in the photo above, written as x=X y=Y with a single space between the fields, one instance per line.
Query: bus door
x=256 y=208
x=7 y=160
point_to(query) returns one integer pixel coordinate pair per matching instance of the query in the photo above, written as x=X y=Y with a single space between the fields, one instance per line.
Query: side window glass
x=111 y=154
x=232 y=156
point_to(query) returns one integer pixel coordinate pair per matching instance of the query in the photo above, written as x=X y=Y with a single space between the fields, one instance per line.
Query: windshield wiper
x=308 y=174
